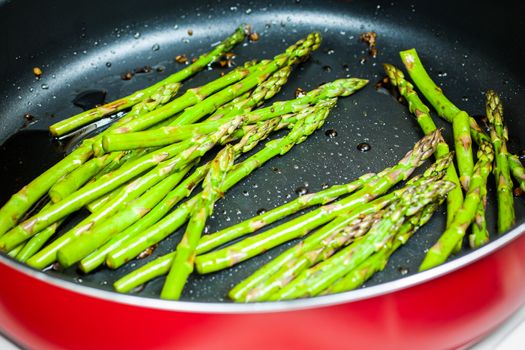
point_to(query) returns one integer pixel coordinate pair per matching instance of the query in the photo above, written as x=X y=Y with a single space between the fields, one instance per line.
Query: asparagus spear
x=15 y=251
x=37 y=242
x=96 y=113
x=378 y=261
x=463 y=218
x=78 y=177
x=316 y=279
x=314 y=118
x=299 y=227
x=459 y=119
x=280 y=271
x=517 y=169
x=156 y=268
x=249 y=140
x=211 y=241
x=182 y=265
x=422 y=114
x=499 y=136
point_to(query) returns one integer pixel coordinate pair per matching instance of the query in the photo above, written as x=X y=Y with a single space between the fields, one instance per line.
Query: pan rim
x=278 y=306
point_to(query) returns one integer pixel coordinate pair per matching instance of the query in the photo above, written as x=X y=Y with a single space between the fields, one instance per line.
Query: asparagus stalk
x=447 y=110
x=37 y=242
x=463 y=147
x=15 y=251
x=78 y=177
x=441 y=250
x=314 y=118
x=249 y=140
x=378 y=261
x=281 y=270
x=156 y=268
x=211 y=241
x=182 y=265
x=96 y=113
x=422 y=114
x=480 y=232
x=499 y=136
x=252 y=246
x=316 y=279
x=517 y=169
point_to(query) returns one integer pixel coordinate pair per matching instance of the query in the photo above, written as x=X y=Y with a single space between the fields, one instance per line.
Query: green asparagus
x=299 y=227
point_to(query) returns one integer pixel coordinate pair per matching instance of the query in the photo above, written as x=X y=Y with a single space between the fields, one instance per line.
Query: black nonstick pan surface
x=467 y=47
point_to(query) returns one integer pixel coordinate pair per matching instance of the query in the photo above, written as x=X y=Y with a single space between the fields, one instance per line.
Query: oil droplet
x=301 y=190
x=331 y=133
x=207 y=229
x=155 y=47
x=464 y=98
x=403 y=270
x=346 y=67
x=327 y=69
x=276 y=170
x=108 y=64
x=136 y=35
x=363 y=147
x=442 y=74
x=44 y=86
x=79 y=280
x=325 y=186
x=330 y=51
x=261 y=211
x=245 y=193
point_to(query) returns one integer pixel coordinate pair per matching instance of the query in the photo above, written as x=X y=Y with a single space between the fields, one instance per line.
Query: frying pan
x=468 y=48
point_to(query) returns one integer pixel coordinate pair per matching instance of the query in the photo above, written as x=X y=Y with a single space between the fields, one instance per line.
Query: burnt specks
x=37 y=72
x=147 y=252
x=182 y=59
x=370 y=38
x=126 y=76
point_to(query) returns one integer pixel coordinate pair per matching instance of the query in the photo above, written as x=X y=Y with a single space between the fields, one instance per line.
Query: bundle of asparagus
x=132 y=175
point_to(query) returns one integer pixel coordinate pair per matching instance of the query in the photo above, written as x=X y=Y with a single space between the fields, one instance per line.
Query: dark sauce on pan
x=26 y=153
x=89 y=99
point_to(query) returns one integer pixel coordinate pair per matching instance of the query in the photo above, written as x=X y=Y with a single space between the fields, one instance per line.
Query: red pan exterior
x=446 y=312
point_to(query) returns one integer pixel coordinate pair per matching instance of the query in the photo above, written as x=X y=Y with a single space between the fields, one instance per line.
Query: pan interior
x=93 y=55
